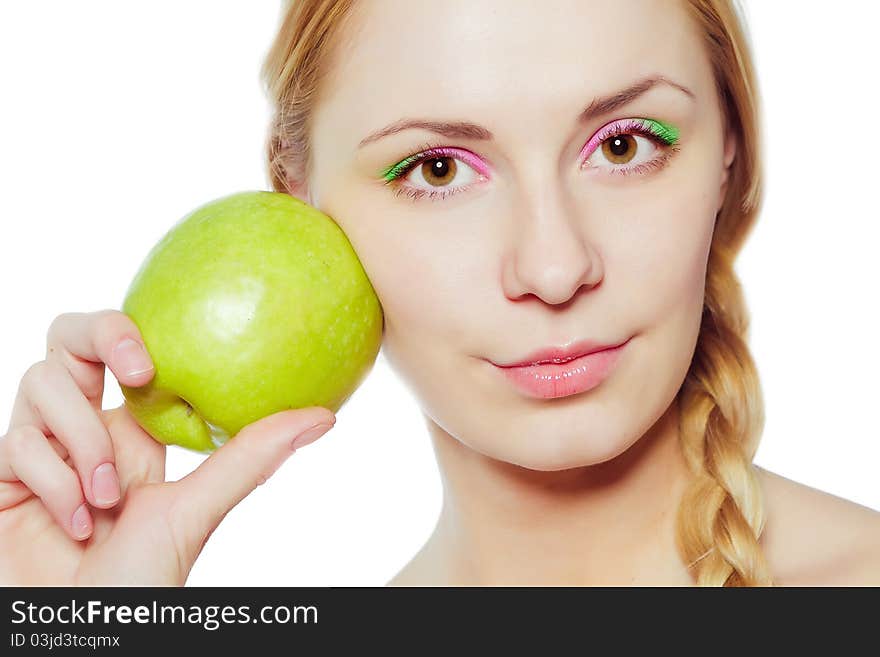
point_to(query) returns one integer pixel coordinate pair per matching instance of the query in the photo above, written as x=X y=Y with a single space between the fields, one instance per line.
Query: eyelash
x=428 y=151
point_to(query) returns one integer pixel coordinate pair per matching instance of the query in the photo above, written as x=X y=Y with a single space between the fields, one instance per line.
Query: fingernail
x=131 y=358
x=105 y=485
x=81 y=522
x=311 y=435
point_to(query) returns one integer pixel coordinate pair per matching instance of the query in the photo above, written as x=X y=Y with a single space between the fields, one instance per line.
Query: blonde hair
x=721 y=514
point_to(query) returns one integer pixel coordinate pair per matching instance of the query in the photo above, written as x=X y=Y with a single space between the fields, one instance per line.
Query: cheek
x=422 y=284
x=659 y=261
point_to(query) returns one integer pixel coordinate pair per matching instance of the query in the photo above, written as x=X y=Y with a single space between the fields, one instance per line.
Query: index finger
x=85 y=342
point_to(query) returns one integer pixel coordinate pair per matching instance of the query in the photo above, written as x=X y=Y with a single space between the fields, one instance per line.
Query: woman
x=536 y=186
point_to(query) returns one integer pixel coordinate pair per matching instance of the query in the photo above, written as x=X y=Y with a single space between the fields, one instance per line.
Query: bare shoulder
x=814 y=538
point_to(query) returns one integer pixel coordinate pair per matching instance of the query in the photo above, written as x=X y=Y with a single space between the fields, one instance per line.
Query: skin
x=575 y=490
x=137 y=529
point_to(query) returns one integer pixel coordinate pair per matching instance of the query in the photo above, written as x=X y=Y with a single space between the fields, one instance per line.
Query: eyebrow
x=467 y=130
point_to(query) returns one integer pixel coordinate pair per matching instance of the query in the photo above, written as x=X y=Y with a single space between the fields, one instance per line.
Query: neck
x=604 y=524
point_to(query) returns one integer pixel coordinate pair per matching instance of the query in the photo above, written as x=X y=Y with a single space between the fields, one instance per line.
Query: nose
x=549 y=255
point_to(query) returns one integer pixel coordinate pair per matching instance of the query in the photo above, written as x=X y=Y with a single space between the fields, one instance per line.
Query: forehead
x=488 y=60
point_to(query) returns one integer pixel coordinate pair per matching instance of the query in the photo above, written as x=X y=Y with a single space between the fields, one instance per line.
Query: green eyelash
x=664 y=131
x=395 y=170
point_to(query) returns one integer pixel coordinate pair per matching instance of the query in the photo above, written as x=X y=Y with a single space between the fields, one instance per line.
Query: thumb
x=244 y=462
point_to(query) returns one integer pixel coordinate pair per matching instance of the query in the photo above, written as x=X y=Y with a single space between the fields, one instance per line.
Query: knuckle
x=42 y=374
x=57 y=325
x=21 y=441
x=34 y=377
x=33 y=373
x=265 y=474
x=111 y=325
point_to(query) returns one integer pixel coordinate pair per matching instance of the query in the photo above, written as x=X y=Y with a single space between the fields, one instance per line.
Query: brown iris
x=440 y=169
x=619 y=149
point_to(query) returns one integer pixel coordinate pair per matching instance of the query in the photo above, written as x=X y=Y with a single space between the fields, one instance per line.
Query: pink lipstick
x=562 y=371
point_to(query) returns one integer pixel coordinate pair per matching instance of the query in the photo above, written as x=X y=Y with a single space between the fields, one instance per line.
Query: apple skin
x=251 y=304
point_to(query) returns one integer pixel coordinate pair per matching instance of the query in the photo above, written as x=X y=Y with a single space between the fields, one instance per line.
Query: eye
x=440 y=171
x=432 y=172
x=624 y=149
x=631 y=146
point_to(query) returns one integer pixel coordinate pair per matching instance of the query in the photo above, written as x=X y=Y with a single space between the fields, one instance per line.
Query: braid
x=721 y=515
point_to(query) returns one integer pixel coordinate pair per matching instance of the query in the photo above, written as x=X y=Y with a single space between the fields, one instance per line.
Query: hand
x=83 y=496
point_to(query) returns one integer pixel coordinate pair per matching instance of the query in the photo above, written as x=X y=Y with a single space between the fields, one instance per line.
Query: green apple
x=252 y=304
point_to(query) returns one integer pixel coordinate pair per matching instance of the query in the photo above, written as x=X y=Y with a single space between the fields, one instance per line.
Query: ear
x=296 y=187
x=729 y=155
x=300 y=189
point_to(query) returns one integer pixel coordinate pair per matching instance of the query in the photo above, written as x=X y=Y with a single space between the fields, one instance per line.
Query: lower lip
x=551 y=380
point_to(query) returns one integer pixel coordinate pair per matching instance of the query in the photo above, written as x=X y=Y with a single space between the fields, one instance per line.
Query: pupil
x=619 y=146
x=439 y=168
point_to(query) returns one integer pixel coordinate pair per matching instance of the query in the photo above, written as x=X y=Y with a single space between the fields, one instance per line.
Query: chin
x=563 y=448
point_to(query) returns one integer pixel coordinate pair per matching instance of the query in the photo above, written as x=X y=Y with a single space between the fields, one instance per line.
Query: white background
x=117 y=118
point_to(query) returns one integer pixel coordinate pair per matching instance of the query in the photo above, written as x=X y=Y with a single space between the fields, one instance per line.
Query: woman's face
x=544 y=237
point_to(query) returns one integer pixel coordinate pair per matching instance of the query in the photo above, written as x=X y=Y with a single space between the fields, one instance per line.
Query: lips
x=555 y=372
x=560 y=354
